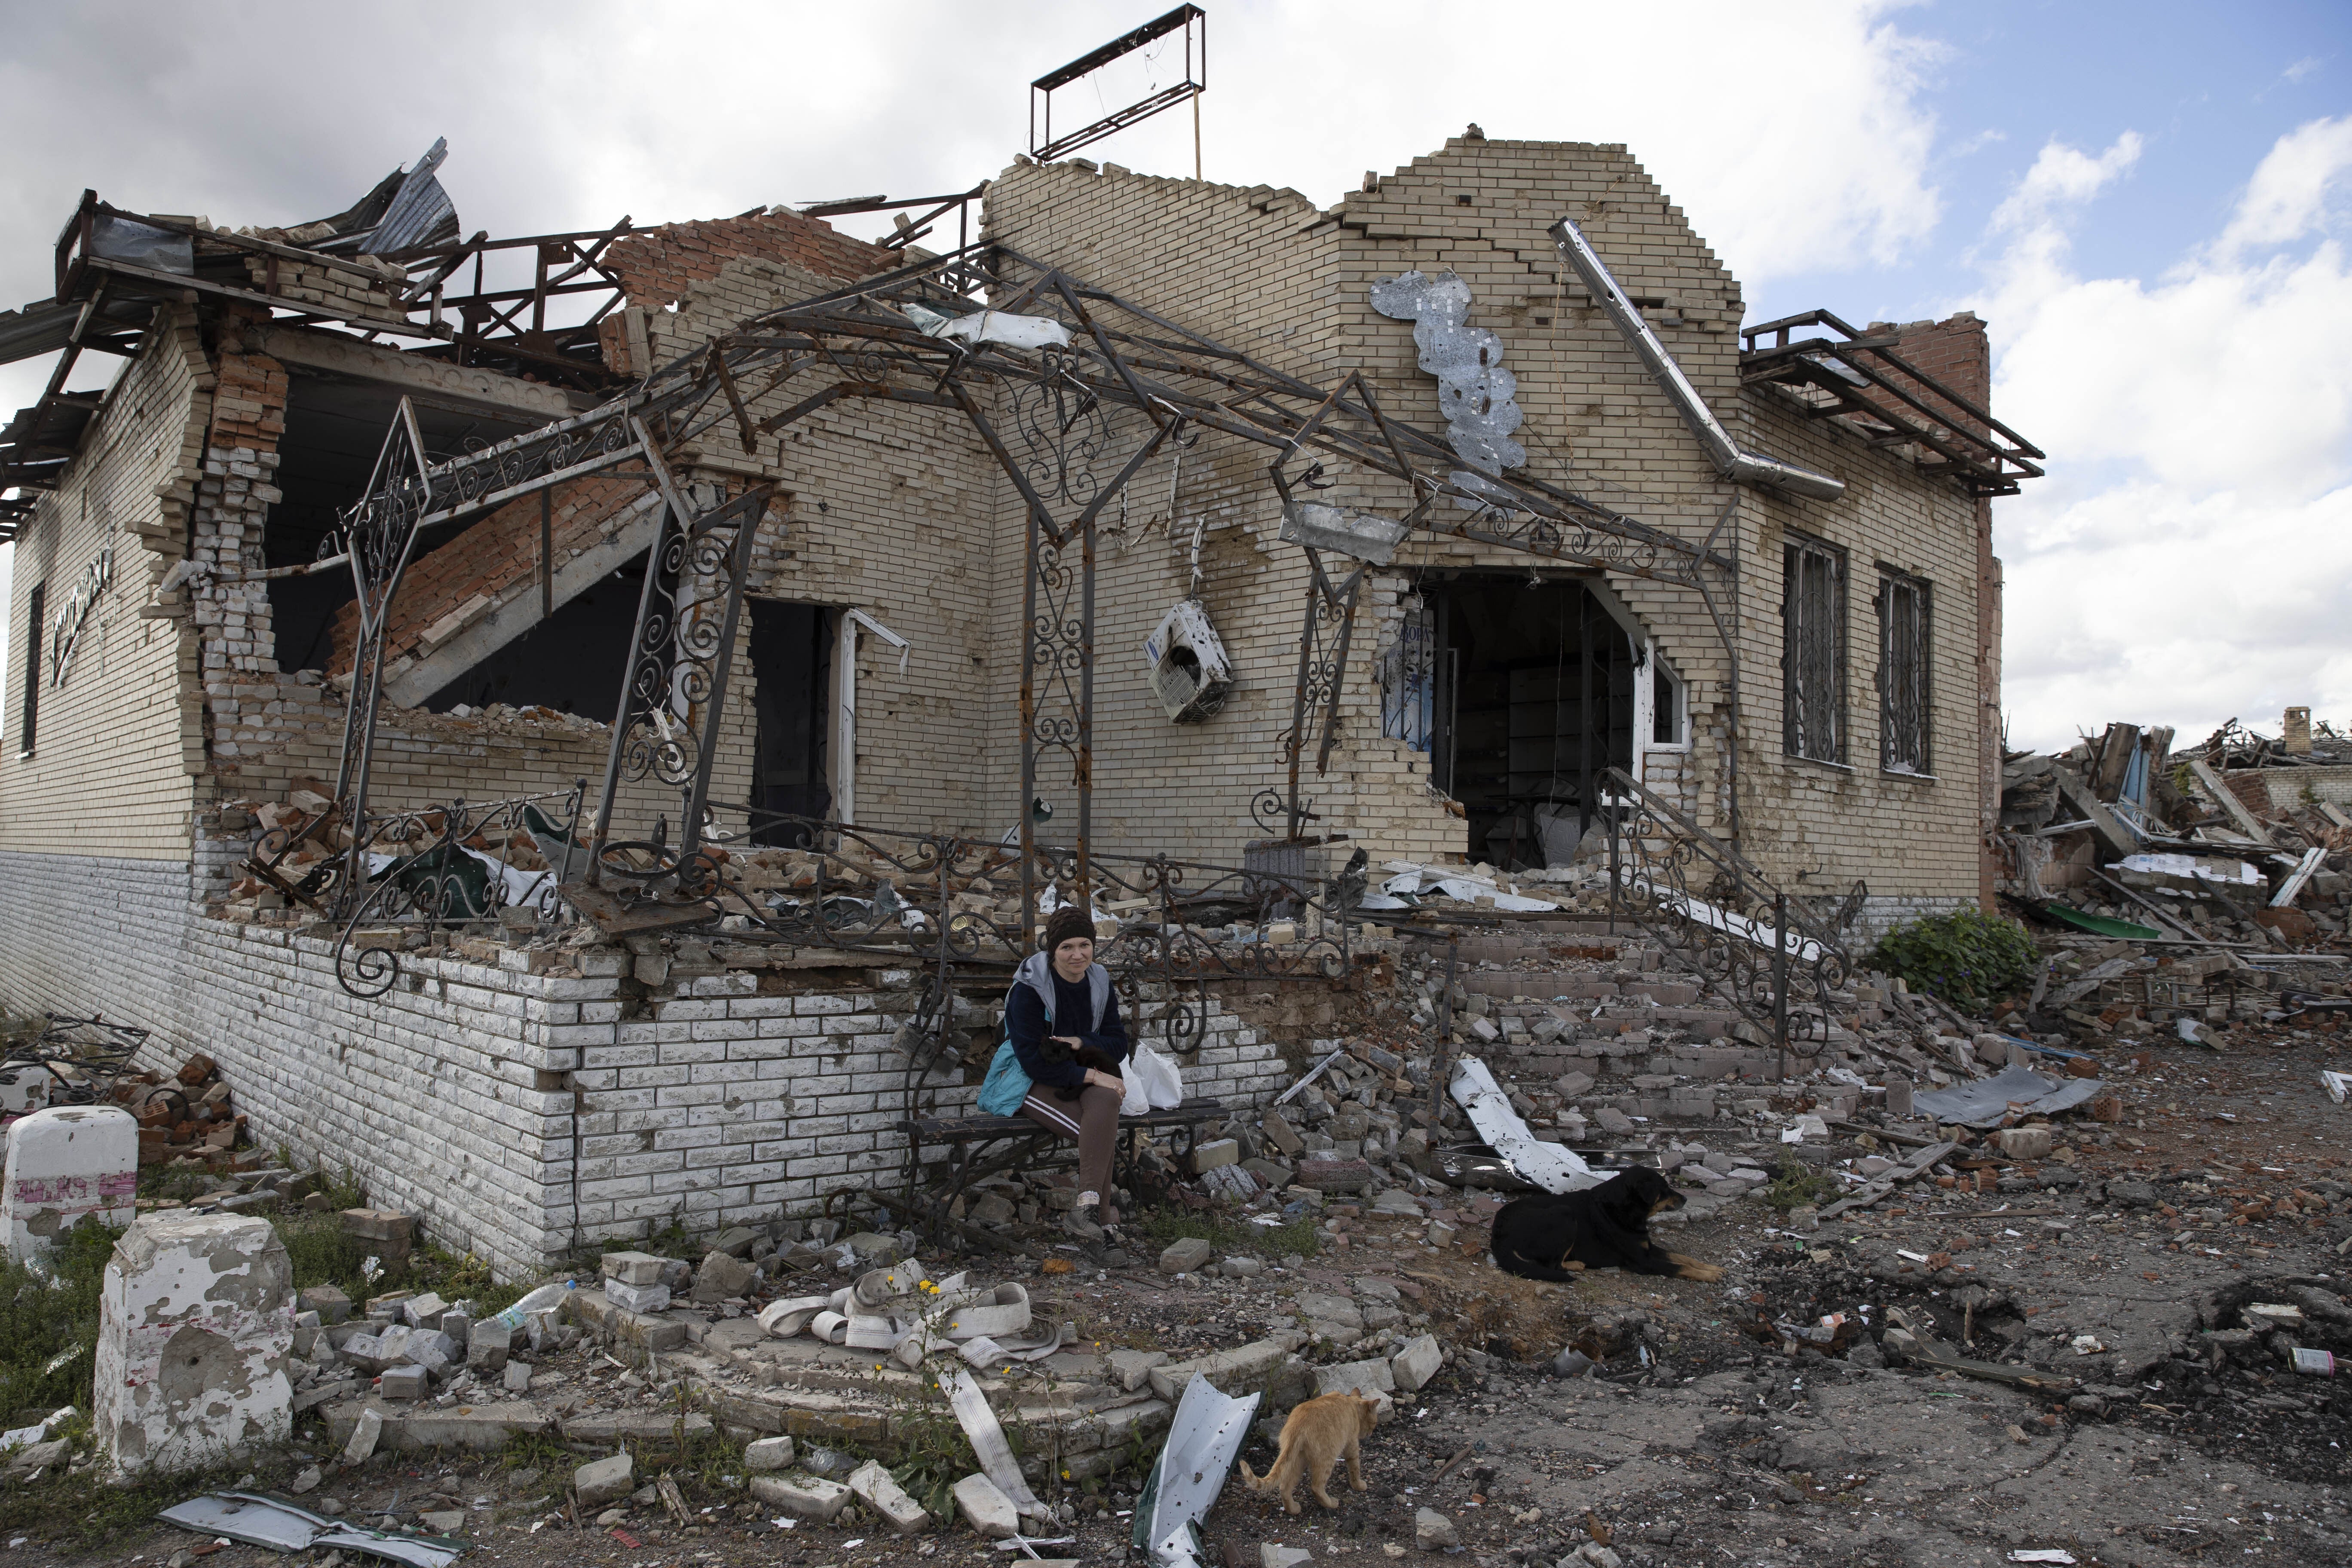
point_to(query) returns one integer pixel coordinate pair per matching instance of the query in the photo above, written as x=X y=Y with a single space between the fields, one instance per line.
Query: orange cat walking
x=1317 y=1433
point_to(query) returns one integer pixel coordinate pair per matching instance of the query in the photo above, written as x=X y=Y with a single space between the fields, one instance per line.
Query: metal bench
x=980 y=1146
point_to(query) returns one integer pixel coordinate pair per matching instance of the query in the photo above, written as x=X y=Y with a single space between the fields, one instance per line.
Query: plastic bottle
x=545 y=1299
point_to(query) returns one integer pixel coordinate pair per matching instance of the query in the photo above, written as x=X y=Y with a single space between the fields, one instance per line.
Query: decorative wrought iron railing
x=1771 y=955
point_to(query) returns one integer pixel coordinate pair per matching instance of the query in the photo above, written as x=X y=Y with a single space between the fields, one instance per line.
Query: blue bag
x=1006 y=1086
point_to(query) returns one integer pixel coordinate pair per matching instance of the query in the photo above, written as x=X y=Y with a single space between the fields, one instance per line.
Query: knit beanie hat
x=1065 y=923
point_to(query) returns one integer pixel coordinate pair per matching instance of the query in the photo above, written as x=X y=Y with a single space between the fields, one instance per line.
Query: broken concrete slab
x=1129 y=1369
x=196 y=1327
x=643 y=1426
x=801 y=1496
x=1419 y=1361
x=1185 y=1256
x=1242 y=1369
x=986 y=1508
x=766 y=1456
x=875 y=1487
x=479 y=1428
x=601 y=1481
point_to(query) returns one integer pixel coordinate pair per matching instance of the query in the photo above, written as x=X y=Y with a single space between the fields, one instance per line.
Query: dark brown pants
x=1093 y=1121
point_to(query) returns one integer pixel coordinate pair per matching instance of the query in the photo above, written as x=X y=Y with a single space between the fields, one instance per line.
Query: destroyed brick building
x=767 y=528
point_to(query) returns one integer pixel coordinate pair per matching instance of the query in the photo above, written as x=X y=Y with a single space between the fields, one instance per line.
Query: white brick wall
x=454 y=1095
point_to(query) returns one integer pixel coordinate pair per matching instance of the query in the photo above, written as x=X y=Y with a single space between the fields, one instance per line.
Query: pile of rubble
x=2238 y=839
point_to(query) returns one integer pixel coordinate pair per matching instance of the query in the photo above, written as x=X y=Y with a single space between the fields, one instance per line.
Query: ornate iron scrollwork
x=452 y=866
x=1769 y=954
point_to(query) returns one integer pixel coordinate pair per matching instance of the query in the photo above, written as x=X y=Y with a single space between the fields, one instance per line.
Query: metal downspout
x=1743 y=468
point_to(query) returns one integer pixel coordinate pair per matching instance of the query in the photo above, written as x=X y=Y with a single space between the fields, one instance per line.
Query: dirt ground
x=1699 y=1439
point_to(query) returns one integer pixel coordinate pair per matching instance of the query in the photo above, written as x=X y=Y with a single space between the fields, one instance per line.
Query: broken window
x=1812 y=650
x=34 y=609
x=1408 y=694
x=791 y=648
x=1903 y=631
x=1668 y=710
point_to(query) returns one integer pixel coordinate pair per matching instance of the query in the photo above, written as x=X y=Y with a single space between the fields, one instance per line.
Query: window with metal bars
x=1812 y=650
x=25 y=720
x=1408 y=687
x=1903 y=605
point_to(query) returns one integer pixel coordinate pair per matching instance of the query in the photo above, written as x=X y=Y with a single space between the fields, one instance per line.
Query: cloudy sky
x=2147 y=201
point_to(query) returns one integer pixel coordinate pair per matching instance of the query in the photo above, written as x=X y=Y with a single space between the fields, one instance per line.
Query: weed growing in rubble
x=1965 y=957
x=1794 y=1182
x=1161 y=1228
x=48 y=1325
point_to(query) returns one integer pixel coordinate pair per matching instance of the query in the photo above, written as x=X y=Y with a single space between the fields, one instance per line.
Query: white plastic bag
x=1156 y=1079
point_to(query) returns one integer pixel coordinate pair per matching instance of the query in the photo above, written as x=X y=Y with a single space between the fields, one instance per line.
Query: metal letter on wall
x=64 y=633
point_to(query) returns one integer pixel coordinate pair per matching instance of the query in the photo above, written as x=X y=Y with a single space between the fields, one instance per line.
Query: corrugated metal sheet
x=39 y=328
x=421 y=210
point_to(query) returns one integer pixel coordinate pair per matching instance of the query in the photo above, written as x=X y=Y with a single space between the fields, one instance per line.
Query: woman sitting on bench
x=1063 y=1021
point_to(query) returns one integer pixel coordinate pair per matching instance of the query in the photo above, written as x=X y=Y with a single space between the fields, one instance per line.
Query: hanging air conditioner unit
x=1190 y=672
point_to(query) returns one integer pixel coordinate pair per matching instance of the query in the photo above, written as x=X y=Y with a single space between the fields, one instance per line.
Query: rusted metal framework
x=1860 y=379
x=1190 y=20
x=906 y=337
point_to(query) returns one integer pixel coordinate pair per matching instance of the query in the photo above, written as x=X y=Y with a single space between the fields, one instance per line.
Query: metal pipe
x=1743 y=467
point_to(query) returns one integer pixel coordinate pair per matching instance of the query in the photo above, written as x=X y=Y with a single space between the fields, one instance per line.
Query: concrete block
x=1218 y=1152
x=331 y=1305
x=986 y=1508
x=1417 y=1363
x=65 y=1164
x=404 y=1383
x=875 y=1487
x=1242 y=1369
x=1185 y=1256
x=423 y=1311
x=722 y=1276
x=873 y=1251
x=516 y=1377
x=487 y=1345
x=1131 y=1368
x=632 y=1268
x=768 y=1455
x=601 y=1481
x=195 y=1326
x=2027 y=1142
x=365 y=1432
x=1372 y=1379
x=801 y=1496
x=637 y=1298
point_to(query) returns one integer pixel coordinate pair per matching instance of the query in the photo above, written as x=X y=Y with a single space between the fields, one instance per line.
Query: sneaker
x=1084 y=1223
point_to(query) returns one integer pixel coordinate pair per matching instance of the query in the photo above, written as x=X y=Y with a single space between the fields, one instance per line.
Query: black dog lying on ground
x=1549 y=1235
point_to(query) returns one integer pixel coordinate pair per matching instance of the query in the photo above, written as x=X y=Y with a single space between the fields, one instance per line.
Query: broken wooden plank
x=1918 y=1165
x=2293 y=887
x=602 y=909
x=2227 y=799
x=1932 y=1355
x=2109 y=828
x=2091 y=980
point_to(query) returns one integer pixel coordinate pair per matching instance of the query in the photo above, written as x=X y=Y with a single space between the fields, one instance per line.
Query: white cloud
x=2062 y=176
x=2189 y=557
x=2287 y=197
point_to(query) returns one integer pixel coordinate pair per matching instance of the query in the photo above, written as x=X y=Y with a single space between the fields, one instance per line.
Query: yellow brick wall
x=1265 y=274
x=116 y=743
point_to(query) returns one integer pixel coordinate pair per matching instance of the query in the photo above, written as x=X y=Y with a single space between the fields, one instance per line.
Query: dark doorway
x=335 y=428
x=791 y=664
x=573 y=662
x=1535 y=698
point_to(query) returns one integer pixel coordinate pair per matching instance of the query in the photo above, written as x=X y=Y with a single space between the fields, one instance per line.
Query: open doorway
x=790 y=647
x=1534 y=698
